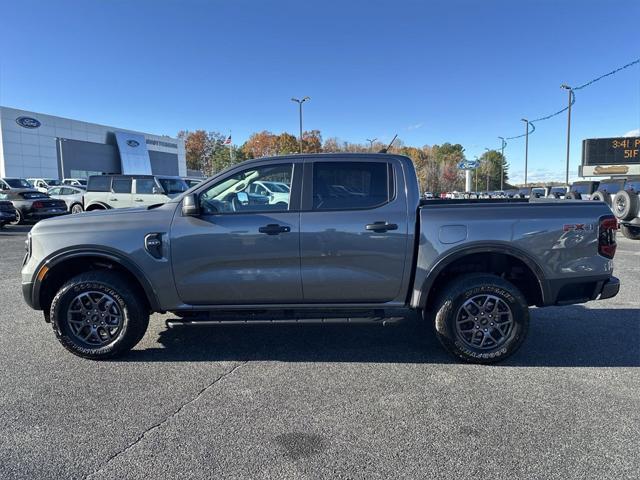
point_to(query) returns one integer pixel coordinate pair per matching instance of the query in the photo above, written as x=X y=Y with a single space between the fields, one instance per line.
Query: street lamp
x=504 y=144
x=476 y=172
x=570 y=91
x=371 y=143
x=300 y=102
x=526 y=150
x=487 y=164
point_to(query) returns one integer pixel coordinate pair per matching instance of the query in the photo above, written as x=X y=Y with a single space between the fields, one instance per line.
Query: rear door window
x=99 y=184
x=121 y=185
x=350 y=185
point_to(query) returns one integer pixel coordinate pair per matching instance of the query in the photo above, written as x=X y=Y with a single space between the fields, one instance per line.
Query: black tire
x=573 y=196
x=632 y=233
x=121 y=297
x=625 y=205
x=76 y=208
x=19 y=220
x=511 y=311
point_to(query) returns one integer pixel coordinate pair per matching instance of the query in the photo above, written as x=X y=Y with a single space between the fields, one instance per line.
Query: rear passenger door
x=120 y=192
x=354 y=231
x=143 y=195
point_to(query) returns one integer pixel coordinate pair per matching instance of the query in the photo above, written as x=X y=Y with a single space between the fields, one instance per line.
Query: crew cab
x=371 y=250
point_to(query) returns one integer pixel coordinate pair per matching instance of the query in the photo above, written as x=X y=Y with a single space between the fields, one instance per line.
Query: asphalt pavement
x=332 y=401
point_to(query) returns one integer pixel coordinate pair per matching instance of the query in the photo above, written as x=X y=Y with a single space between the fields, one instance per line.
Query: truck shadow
x=559 y=337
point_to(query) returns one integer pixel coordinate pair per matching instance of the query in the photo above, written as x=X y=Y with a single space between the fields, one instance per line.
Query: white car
x=75 y=182
x=72 y=196
x=44 y=184
x=428 y=195
x=278 y=192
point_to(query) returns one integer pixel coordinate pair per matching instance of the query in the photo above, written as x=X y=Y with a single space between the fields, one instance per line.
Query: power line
x=573 y=98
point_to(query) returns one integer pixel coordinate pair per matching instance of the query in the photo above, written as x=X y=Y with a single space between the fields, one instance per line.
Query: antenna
x=385 y=150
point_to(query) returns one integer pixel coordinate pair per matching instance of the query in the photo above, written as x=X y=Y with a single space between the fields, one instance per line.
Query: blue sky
x=457 y=71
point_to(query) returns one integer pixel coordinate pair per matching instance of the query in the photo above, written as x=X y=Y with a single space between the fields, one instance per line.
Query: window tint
x=610 y=187
x=348 y=185
x=172 y=186
x=121 y=185
x=145 y=185
x=240 y=193
x=17 y=183
x=581 y=188
x=99 y=184
x=632 y=186
x=56 y=191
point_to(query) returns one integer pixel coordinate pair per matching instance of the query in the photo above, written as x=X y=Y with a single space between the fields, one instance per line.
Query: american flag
x=227 y=141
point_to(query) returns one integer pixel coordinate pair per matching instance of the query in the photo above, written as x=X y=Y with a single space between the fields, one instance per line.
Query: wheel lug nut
x=492 y=324
x=486 y=330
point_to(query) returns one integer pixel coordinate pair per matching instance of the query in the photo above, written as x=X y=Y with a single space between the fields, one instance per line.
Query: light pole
x=371 y=143
x=487 y=166
x=570 y=90
x=300 y=102
x=504 y=144
x=476 y=172
x=526 y=151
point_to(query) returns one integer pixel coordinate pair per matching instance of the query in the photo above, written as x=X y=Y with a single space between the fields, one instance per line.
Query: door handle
x=138 y=200
x=274 y=229
x=113 y=199
x=381 y=226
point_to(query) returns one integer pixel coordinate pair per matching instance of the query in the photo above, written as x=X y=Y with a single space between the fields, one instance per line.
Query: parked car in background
x=32 y=205
x=556 y=192
x=72 y=196
x=582 y=190
x=607 y=189
x=9 y=183
x=277 y=192
x=429 y=195
x=7 y=213
x=75 y=182
x=510 y=193
x=43 y=184
x=192 y=181
x=105 y=192
x=626 y=207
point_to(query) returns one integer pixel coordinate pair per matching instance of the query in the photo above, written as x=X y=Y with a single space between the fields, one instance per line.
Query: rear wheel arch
x=506 y=262
x=66 y=265
x=97 y=206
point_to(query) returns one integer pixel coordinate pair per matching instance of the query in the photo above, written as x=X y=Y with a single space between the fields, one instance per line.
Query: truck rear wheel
x=481 y=318
x=97 y=315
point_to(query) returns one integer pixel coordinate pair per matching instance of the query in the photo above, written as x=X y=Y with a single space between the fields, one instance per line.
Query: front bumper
x=27 y=293
x=44 y=214
x=610 y=288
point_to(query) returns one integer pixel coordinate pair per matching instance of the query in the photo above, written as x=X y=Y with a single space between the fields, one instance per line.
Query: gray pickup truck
x=352 y=242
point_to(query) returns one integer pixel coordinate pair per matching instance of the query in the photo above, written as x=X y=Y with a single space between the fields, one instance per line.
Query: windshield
x=539 y=191
x=17 y=183
x=52 y=183
x=558 y=190
x=610 y=187
x=581 y=188
x=32 y=195
x=173 y=185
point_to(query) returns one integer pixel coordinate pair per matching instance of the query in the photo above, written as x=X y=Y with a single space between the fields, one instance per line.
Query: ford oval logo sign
x=133 y=143
x=28 y=122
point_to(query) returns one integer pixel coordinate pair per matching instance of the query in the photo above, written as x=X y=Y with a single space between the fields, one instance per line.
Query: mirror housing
x=190 y=206
x=243 y=198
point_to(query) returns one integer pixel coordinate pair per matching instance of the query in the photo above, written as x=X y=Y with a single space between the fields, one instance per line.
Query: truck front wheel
x=481 y=318
x=97 y=315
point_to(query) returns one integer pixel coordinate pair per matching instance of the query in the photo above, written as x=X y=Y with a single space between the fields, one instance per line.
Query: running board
x=177 y=322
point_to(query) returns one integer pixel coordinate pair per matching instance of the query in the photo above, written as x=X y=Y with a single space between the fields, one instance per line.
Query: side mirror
x=190 y=206
x=243 y=198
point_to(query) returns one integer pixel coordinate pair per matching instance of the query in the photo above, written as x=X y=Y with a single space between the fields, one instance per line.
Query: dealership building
x=35 y=145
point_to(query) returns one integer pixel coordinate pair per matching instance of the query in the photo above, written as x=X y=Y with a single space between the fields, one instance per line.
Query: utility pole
x=570 y=90
x=476 y=172
x=300 y=102
x=504 y=144
x=526 y=151
x=371 y=143
x=487 y=167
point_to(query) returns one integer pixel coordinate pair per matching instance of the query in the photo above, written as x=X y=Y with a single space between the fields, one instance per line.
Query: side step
x=177 y=322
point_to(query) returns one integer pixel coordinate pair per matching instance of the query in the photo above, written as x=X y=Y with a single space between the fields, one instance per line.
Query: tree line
x=436 y=165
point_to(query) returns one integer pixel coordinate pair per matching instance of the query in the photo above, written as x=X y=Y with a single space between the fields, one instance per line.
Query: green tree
x=491 y=164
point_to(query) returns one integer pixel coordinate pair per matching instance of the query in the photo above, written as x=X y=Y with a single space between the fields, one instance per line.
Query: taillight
x=38 y=205
x=607 y=236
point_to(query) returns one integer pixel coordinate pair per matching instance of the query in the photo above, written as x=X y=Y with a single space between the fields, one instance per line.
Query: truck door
x=353 y=231
x=240 y=250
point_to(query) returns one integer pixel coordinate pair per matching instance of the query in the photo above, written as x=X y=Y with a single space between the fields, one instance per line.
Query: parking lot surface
x=323 y=401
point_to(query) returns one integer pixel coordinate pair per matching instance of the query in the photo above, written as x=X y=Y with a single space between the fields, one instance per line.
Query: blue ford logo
x=28 y=122
x=132 y=143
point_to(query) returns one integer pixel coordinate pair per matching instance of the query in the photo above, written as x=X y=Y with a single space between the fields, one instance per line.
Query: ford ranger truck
x=352 y=242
